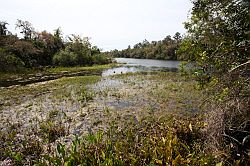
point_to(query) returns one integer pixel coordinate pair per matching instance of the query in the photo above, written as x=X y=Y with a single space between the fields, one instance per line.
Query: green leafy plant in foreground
x=152 y=141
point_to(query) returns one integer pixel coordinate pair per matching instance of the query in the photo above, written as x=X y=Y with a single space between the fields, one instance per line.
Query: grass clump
x=51 y=131
x=86 y=96
x=53 y=127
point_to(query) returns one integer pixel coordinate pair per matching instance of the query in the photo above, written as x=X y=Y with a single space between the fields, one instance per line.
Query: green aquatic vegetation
x=56 y=70
x=77 y=68
x=51 y=130
x=133 y=117
x=58 y=87
x=86 y=96
x=21 y=148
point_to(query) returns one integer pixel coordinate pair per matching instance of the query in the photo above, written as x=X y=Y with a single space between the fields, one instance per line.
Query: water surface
x=132 y=65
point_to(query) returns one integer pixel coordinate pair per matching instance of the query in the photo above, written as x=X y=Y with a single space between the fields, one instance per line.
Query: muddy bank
x=40 y=77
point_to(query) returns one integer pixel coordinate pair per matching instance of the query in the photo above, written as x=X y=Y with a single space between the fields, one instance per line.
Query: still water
x=130 y=65
x=136 y=65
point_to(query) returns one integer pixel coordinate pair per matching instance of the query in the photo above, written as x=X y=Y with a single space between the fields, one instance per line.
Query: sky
x=111 y=24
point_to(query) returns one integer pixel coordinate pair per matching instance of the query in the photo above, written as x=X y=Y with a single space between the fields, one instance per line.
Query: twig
x=232 y=138
x=240 y=131
x=239 y=66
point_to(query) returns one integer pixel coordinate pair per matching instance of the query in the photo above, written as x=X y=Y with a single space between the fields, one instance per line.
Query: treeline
x=164 y=49
x=38 y=49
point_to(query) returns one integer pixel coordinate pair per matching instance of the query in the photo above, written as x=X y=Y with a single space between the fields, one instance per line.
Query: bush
x=65 y=58
x=101 y=59
x=9 y=62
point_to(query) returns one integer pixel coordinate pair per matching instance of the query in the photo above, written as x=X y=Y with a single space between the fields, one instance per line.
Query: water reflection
x=120 y=70
x=132 y=65
x=148 y=62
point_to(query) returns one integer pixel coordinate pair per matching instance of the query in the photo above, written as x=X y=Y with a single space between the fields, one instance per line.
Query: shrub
x=65 y=58
x=9 y=62
x=101 y=59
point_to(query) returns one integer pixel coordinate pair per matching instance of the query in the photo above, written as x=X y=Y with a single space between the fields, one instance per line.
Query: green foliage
x=51 y=131
x=164 y=49
x=101 y=59
x=65 y=58
x=85 y=96
x=49 y=44
x=38 y=49
x=26 y=51
x=218 y=34
x=9 y=62
x=82 y=48
x=153 y=141
x=79 y=52
x=219 y=42
x=186 y=50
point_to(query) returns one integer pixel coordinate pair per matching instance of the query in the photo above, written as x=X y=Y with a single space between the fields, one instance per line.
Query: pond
x=135 y=65
x=130 y=65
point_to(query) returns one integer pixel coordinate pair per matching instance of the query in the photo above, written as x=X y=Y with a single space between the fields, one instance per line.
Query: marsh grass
x=155 y=128
x=51 y=131
x=10 y=96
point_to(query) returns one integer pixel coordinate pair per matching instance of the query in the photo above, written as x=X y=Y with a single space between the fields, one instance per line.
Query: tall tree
x=220 y=32
x=3 y=28
x=26 y=29
x=219 y=38
x=177 y=37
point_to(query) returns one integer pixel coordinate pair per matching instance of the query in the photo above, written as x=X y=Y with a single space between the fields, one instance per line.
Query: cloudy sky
x=111 y=24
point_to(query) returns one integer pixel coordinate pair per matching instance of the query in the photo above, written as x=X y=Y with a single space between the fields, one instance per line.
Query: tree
x=220 y=33
x=79 y=50
x=145 y=43
x=65 y=58
x=26 y=29
x=164 y=49
x=26 y=51
x=219 y=38
x=95 y=50
x=168 y=40
x=49 y=44
x=9 y=62
x=3 y=28
x=177 y=37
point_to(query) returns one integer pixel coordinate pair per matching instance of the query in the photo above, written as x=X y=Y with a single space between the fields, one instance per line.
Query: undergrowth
x=155 y=140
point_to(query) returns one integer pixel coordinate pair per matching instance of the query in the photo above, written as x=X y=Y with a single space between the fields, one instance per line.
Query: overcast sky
x=111 y=24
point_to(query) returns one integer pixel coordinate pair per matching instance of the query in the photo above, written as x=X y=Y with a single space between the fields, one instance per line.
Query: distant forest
x=38 y=49
x=165 y=49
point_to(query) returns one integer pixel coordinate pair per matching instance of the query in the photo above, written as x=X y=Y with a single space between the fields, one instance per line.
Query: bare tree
x=26 y=27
